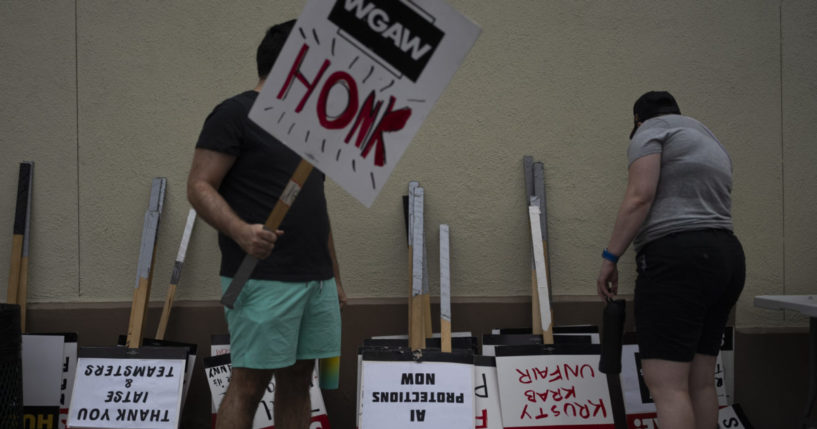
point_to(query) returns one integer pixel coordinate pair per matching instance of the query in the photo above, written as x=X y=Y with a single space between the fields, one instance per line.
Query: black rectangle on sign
x=41 y=417
x=390 y=29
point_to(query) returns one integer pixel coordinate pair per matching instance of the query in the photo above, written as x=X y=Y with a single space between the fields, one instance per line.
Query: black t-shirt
x=261 y=170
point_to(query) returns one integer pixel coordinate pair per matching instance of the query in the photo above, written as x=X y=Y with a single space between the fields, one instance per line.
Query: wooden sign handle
x=177 y=273
x=18 y=270
x=147 y=255
x=279 y=211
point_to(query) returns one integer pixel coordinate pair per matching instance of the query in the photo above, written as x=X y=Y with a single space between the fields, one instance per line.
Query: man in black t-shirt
x=287 y=314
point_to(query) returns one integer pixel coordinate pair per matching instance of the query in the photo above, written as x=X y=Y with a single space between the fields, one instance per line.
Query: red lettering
x=483 y=419
x=584 y=411
x=365 y=119
x=531 y=395
x=524 y=377
x=571 y=370
x=295 y=73
x=348 y=83
x=392 y=121
x=525 y=413
x=557 y=375
x=598 y=408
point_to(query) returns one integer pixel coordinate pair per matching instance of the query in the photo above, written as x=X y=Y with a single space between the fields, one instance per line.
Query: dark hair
x=652 y=104
x=271 y=46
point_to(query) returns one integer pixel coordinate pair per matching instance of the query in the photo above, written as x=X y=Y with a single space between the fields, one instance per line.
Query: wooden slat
x=541 y=278
x=445 y=290
x=147 y=255
x=176 y=275
x=416 y=323
x=276 y=216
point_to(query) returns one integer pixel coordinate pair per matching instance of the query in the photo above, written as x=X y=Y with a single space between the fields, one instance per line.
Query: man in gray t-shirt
x=695 y=180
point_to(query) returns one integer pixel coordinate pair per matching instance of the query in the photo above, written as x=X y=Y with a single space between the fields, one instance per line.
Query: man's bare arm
x=336 y=270
x=208 y=170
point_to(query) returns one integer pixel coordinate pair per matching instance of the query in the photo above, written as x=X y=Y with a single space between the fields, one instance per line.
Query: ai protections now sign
x=356 y=79
x=398 y=392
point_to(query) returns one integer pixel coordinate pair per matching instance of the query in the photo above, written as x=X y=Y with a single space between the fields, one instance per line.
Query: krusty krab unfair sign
x=355 y=80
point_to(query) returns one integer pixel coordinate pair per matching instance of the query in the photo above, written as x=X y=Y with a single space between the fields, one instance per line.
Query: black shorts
x=687 y=284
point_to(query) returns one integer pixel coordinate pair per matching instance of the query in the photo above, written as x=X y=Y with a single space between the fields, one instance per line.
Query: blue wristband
x=609 y=256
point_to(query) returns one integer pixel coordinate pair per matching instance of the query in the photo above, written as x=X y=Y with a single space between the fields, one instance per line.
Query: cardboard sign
x=116 y=387
x=191 y=357
x=486 y=394
x=436 y=391
x=733 y=417
x=69 y=367
x=218 y=370
x=556 y=386
x=42 y=357
x=356 y=79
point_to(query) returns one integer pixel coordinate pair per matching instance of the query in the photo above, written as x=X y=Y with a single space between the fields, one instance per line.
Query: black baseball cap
x=652 y=104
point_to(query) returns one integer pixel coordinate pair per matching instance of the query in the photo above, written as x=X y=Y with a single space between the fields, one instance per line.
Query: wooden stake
x=539 y=192
x=18 y=270
x=147 y=254
x=279 y=211
x=541 y=278
x=536 y=320
x=412 y=186
x=416 y=328
x=177 y=273
x=14 y=268
x=445 y=291
x=426 y=294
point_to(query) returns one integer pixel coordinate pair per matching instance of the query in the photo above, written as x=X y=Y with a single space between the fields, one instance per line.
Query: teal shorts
x=273 y=324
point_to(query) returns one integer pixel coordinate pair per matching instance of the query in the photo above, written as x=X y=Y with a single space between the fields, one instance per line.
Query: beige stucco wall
x=104 y=96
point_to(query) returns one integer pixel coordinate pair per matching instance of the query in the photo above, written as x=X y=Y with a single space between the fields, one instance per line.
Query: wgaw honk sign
x=356 y=79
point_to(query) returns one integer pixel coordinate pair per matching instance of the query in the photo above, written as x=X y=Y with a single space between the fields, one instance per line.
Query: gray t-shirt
x=695 y=183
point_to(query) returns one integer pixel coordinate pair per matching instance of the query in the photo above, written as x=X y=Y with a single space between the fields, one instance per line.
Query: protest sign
x=218 y=370
x=400 y=389
x=69 y=367
x=191 y=357
x=553 y=386
x=42 y=357
x=486 y=393
x=117 y=387
x=732 y=417
x=356 y=79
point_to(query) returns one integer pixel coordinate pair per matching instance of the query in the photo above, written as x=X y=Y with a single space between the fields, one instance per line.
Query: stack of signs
x=356 y=79
x=117 y=387
x=543 y=386
x=42 y=359
x=431 y=389
x=218 y=369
